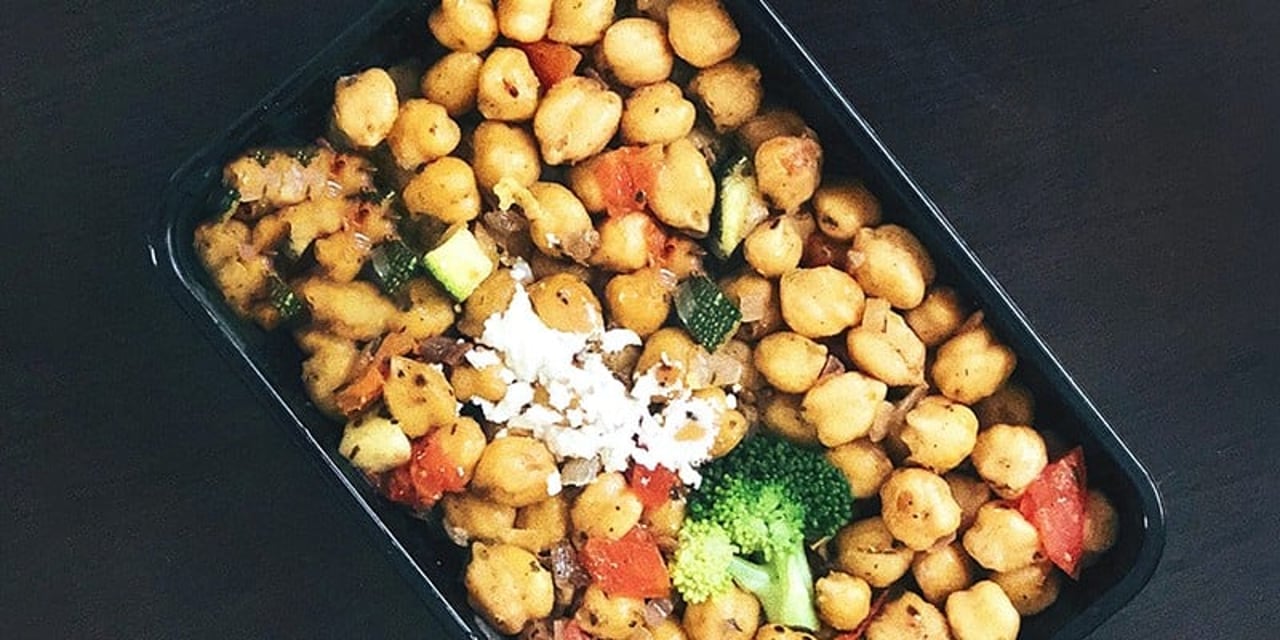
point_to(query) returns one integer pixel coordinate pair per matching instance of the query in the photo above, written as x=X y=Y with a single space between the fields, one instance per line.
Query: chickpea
x=657 y=114
x=580 y=22
x=464 y=25
x=507 y=88
x=733 y=615
x=867 y=550
x=972 y=365
x=563 y=301
x=843 y=601
x=558 y=223
x=982 y=612
x=885 y=347
x=938 y=316
x=842 y=407
x=665 y=521
x=732 y=428
x=730 y=91
x=918 y=508
x=702 y=33
x=788 y=170
x=606 y=508
x=1032 y=588
x=1012 y=403
x=781 y=632
x=576 y=119
x=680 y=255
x=970 y=493
x=430 y=311
x=908 y=617
x=540 y=526
x=668 y=629
x=463 y=442
x=514 y=471
x=638 y=301
x=939 y=433
x=609 y=617
x=673 y=356
x=470 y=383
x=504 y=150
x=624 y=242
x=1001 y=539
x=819 y=302
x=890 y=263
x=942 y=571
x=1009 y=457
x=453 y=81
x=636 y=51
x=757 y=298
x=423 y=132
x=864 y=463
x=789 y=361
x=772 y=123
x=445 y=190
x=843 y=208
x=780 y=413
x=524 y=20
x=1101 y=525
x=327 y=368
x=508 y=586
x=418 y=396
x=355 y=310
x=469 y=517
x=493 y=296
x=365 y=107
x=774 y=247
x=685 y=191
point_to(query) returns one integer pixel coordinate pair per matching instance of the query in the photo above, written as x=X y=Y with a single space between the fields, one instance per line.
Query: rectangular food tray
x=395 y=30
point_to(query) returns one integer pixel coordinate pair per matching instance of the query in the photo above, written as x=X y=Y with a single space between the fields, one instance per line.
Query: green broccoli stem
x=784 y=586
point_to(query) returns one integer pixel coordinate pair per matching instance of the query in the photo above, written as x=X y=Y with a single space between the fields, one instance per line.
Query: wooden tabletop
x=1116 y=165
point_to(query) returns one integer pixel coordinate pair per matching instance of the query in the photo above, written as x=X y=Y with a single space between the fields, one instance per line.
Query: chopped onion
x=579 y=472
x=753 y=305
x=833 y=367
x=668 y=279
x=656 y=611
x=566 y=572
x=725 y=369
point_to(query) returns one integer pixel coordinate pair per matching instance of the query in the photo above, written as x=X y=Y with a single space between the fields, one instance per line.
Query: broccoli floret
x=748 y=523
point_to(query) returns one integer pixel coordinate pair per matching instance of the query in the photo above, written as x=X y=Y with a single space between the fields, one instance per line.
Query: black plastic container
x=393 y=31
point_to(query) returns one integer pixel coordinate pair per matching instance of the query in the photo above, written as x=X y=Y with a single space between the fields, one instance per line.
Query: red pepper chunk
x=652 y=486
x=432 y=471
x=631 y=566
x=1054 y=504
x=626 y=176
x=551 y=61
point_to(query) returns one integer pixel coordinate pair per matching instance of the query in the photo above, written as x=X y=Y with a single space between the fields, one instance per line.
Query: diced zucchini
x=458 y=262
x=394 y=264
x=374 y=444
x=287 y=303
x=739 y=205
x=707 y=313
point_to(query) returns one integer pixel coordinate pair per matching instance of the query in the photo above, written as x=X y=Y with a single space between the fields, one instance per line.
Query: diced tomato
x=653 y=486
x=551 y=61
x=569 y=630
x=626 y=176
x=1054 y=503
x=431 y=470
x=398 y=486
x=821 y=250
x=631 y=566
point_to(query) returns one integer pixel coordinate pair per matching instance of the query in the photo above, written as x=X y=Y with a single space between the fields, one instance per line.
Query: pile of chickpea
x=847 y=342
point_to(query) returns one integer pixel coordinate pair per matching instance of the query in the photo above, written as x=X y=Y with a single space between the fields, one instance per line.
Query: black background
x=1115 y=164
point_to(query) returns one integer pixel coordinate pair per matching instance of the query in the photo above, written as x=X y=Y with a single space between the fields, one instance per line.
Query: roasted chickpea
x=664 y=521
x=972 y=365
x=685 y=191
x=868 y=550
x=423 y=132
x=504 y=150
x=772 y=123
x=580 y=22
x=507 y=88
x=445 y=190
x=541 y=525
x=918 y=508
x=970 y=493
x=982 y=612
x=558 y=223
x=576 y=119
x=889 y=262
x=774 y=247
x=790 y=361
x=939 y=433
x=1001 y=539
x=788 y=170
x=452 y=82
x=657 y=114
x=1032 y=588
x=842 y=407
x=782 y=632
x=908 y=618
x=843 y=601
x=563 y=301
x=624 y=242
x=524 y=20
x=733 y=615
x=757 y=298
x=464 y=25
x=515 y=471
x=675 y=356
x=508 y=586
x=732 y=428
x=668 y=629
x=1012 y=403
x=636 y=52
x=942 y=571
x=418 y=396
x=702 y=33
x=819 y=302
x=365 y=107
x=609 y=617
x=355 y=310
x=606 y=508
x=730 y=91
x=639 y=301
x=780 y=413
x=469 y=517
x=938 y=316
x=470 y=383
x=1009 y=457
x=493 y=296
x=885 y=347
x=843 y=208
x=1101 y=523
x=430 y=311
x=864 y=463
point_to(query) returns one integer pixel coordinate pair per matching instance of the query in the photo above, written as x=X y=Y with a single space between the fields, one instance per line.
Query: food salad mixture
x=580 y=289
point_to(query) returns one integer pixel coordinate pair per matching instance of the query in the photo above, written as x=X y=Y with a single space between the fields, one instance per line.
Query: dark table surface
x=1116 y=165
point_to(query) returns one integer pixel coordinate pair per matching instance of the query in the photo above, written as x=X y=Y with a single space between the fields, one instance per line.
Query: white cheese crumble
x=561 y=391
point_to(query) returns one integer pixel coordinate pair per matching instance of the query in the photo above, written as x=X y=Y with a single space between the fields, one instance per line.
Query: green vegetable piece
x=739 y=206
x=707 y=313
x=287 y=303
x=458 y=262
x=224 y=202
x=394 y=264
